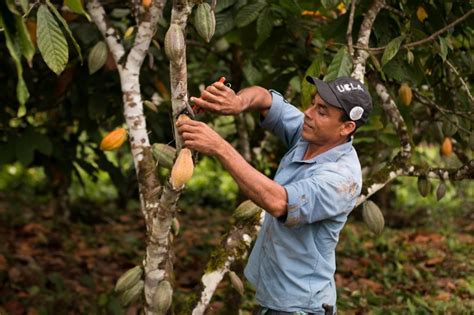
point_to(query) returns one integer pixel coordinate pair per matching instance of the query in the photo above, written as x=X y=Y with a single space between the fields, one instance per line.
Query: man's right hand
x=220 y=99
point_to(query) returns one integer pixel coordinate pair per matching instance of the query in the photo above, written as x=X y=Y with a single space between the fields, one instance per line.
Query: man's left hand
x=199 y=136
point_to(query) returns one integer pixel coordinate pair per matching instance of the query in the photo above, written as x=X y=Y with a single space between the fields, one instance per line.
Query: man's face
x=322 y=124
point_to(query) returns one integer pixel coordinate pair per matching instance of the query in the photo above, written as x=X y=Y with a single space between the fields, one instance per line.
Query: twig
x=361 y=55
x=349 y=28
x=466 y=87
x=445 y=112
x=424 y=40
x=392 y=9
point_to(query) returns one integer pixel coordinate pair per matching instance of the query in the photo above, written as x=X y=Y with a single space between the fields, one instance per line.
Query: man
x=292 y=263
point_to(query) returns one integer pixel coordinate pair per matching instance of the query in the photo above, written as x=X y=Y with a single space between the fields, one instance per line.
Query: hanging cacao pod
x=205 y=21
x=114 y=140
x=441 y=191
x=236 y=282
x=421 y=14
x=174 y=43
x=146 y=3
x=175 y=226
x=133 y=294
x=97 y=57
x=164 y=154
x=129 y=279
x=447 y=147
x=163 y=297
x=424 y=186
x=246 y=210
x=405 y=94
x=183 y=168
x=373 y=217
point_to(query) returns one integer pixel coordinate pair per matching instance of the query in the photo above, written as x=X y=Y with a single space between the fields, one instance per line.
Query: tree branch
x=387 y=174
x=349 y=28
x=466 y=87
x=235 y=246
x=363 y=40
x=99 y=17
x=421 y=41
x=396 y=118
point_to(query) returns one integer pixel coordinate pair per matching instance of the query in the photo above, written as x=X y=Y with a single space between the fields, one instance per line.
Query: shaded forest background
x=70 y=217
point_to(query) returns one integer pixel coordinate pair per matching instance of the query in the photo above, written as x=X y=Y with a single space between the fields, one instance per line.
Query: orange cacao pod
x=114 y=140
x=405 y=94
x=146 y=3
x=183 y=168
x=447 y=147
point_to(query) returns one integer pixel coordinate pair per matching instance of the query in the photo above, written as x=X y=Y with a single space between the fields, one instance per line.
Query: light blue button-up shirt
x=292 y=263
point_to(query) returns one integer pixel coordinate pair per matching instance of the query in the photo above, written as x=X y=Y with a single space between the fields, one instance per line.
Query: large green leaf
x=443 y=48
x=392 y=49
x=306 y=87
x=264 y=26
x=22 y=93
x=27 y=48
x=248 y=14
x=224 y=23
x=252 y=74
x=66 y=27
x=51 y=41
x=341 y=65
x=224 y=4
x=76 y=6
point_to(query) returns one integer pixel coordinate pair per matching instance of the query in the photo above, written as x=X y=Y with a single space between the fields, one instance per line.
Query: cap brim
x=324 y=91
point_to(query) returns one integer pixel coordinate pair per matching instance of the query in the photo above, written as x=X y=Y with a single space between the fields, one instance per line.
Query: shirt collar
x=330 y=155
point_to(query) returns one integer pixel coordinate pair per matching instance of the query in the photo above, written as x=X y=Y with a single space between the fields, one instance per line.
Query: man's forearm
x=265 y=192
x=256 y=98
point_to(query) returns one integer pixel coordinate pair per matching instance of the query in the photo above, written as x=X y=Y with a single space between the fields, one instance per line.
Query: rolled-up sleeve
x=326 y=194
x=283 y=119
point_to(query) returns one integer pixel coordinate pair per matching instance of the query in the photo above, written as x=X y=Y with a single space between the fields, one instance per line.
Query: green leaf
x=306 y=87
x=252 y=74
x=223 y=4
x=392 y=49
x=248 y=14
x=264 y=26
x=12 y=7
x=22 y=93
x=224 y=23
x=51 y=41
x=24 y=5
x=76 y=7
x=443 y=49
x=66 y=27
x=340 y=66
x=27 y=48
x=42 y=143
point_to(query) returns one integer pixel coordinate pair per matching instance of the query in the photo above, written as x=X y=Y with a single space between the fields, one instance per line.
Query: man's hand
x=220 y=99
x=200 y=137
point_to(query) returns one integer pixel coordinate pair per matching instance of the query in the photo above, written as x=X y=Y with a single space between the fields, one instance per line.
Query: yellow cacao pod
x=97 y=57
x=164 y=154
x=421 y=14
x=441 y=191
x=405 y=94
x=447 y=147
x=246 y=210
x=174 y=43
x=183 y=117
x=114 y=140
x=236 y=282
x=133 y=294
x=129 y=279
x=183 y=168
x=205 y=21
x=424 y=186
x=163 y=297
x=373 y=217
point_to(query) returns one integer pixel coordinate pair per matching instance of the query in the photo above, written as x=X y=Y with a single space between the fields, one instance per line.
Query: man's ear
x=347 y=128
